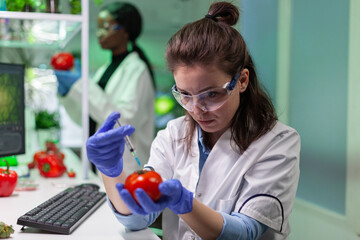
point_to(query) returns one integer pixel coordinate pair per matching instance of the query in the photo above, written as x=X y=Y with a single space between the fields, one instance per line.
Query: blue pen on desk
x=130 y=145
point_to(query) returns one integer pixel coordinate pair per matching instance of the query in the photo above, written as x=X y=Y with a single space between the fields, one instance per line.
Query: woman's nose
x=198 y=108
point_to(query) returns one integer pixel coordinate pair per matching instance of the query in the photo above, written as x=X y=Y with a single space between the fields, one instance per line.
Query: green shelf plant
x=76 y=5
x=44 y=6
x=21 y=5
x=46 y=120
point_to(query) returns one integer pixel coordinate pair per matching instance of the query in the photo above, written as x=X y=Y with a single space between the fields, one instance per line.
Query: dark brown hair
x=213 y=41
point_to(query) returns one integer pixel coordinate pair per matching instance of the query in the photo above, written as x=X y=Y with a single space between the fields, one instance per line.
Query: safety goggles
x=106 y=27
x=209 y=100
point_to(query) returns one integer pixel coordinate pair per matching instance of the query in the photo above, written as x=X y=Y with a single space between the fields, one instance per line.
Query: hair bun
x=224 y=12
x=211 y=17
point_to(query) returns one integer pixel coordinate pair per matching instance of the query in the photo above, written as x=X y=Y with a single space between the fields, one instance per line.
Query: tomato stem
x=140 y=172
x=7 y=166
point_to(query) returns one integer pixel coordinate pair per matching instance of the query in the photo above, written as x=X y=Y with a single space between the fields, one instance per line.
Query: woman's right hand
x=105 y=148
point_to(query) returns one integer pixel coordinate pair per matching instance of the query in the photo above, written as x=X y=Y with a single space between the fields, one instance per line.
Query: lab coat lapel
x=219 y=163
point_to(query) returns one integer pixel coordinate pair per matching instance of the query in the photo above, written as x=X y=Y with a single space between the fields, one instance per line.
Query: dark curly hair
x=128 y=16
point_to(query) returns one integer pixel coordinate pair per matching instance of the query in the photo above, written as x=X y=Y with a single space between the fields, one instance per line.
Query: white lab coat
x=260 y=183
x=128 y=91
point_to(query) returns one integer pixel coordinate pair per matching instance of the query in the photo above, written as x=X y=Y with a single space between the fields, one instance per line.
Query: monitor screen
x=12 y=107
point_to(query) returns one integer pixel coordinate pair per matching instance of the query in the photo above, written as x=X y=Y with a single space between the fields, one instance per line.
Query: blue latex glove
x=67 y=78
x=105 y=148
x=173 y=195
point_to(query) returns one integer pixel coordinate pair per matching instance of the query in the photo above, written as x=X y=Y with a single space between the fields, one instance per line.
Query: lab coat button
x=199 y=194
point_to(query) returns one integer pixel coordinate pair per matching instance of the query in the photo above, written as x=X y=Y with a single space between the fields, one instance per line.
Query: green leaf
x=3 y=235
x=5 y=230
x=98 y=2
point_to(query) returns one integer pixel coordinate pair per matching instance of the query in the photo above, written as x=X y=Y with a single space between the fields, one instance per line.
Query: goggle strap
x=233 y=81
x=118 y=27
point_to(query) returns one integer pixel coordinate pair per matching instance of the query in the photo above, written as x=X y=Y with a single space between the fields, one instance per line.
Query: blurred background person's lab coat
x=124 y=84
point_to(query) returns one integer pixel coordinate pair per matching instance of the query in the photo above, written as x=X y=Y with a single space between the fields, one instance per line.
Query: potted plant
x=21 y=5
x=76 y=5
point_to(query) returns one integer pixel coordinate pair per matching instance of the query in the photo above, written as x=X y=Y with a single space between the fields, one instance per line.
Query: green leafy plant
x=45 y=120
x=76 y=5
x=5 y=230
x=31 y=5
x=20 y=5
x=98 y=2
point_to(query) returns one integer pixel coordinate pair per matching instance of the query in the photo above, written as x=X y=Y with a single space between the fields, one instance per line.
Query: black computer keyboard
x=65 y=211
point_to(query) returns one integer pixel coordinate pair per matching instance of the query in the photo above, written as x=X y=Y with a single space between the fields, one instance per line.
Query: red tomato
x=31 y=165
x=147 y=180
x=62 y=61
x=71 y=174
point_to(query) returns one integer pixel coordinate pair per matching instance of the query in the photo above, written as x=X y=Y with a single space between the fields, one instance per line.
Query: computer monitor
x=12 y=108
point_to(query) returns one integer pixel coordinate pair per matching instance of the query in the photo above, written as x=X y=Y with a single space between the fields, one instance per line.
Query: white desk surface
x=101 y=224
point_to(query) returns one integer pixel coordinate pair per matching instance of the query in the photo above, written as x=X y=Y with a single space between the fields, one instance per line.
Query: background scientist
x=125 y=84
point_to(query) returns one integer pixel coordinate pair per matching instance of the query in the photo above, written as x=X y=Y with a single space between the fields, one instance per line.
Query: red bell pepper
x=51 y=165
x=51 y=149
x=8 y=180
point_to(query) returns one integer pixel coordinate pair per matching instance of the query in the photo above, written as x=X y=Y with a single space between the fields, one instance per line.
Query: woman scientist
x=230 y=168
x=125 y=85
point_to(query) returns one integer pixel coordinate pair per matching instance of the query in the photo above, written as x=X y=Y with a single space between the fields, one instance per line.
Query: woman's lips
x=205 y=122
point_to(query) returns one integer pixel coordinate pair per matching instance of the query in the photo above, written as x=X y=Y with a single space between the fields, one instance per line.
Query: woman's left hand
x=173 y=195
x=67 y=78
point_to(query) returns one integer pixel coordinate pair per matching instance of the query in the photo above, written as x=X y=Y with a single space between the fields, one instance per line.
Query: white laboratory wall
x=261 y=41
x=318 y=95
x=320 y=71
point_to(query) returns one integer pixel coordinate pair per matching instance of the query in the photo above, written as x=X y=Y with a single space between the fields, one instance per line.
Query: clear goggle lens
x=207 y=101
x=106 y=27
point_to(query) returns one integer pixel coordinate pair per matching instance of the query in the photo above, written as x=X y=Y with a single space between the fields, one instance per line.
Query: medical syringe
x=130 y=145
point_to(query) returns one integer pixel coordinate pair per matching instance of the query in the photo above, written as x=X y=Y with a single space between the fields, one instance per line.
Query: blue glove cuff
x=65 y=80
x=114 y=171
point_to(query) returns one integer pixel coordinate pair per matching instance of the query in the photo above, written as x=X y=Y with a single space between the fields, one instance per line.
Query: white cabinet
x=79 y=22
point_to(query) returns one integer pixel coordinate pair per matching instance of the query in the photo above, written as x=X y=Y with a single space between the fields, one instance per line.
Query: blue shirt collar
x=203 y=148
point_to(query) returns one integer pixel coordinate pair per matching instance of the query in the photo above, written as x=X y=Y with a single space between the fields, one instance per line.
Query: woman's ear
x=243 y=80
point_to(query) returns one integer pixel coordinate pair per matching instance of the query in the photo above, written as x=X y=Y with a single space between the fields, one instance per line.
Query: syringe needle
x=130 y=145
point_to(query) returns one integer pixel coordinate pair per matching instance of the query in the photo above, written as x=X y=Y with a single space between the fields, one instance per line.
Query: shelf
x=83 y=23
x=41 y=16
x=43 y=34
x=57 y=31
